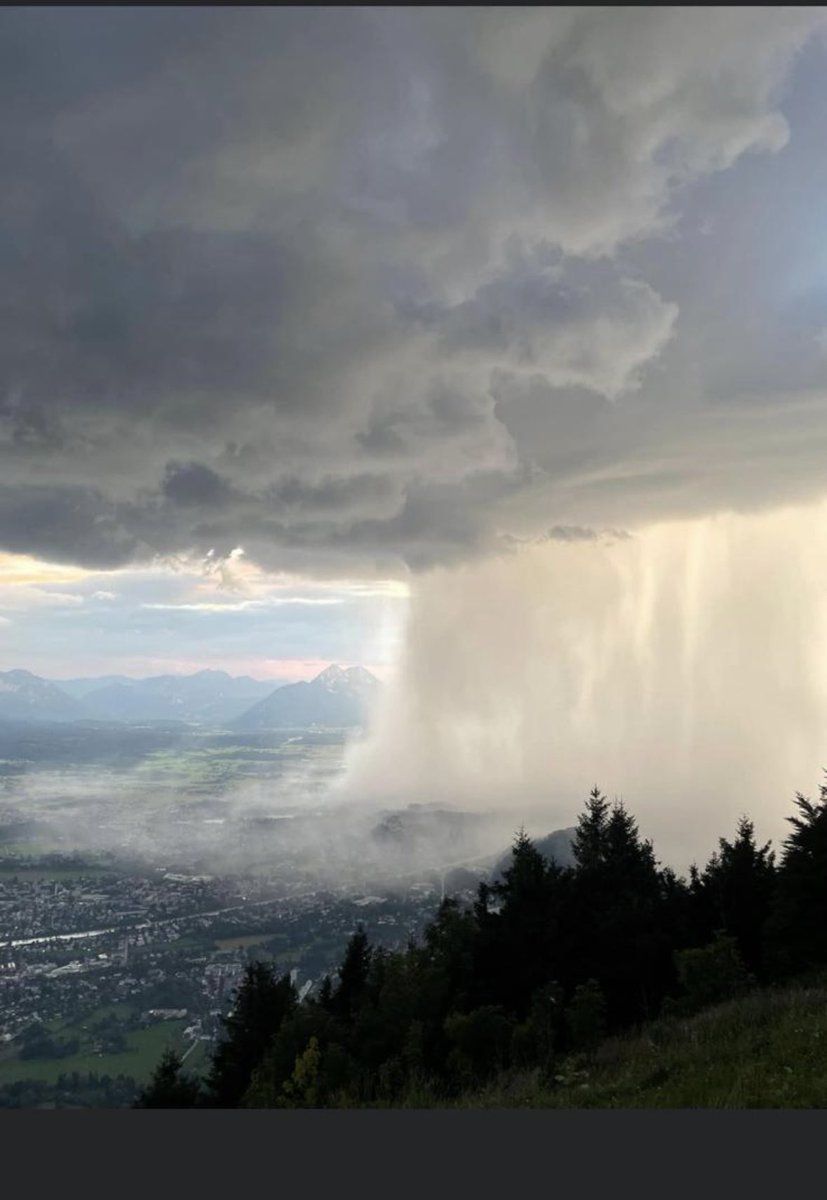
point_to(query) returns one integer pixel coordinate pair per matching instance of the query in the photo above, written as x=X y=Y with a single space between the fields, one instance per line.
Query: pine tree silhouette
x=263 y=1001
x=168 y=1087
x=797 y=929
x=353 y=975
x=739 y=882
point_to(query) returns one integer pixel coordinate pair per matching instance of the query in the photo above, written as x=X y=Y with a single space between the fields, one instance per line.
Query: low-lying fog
x=193 y=809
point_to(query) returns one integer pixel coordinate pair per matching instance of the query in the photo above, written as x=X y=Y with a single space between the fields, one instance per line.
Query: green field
x=249 y=939
x=211 y=767
x=145 y=1049
x=123 y=1010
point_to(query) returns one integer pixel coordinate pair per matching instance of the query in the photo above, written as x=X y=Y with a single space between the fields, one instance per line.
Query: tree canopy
x=547 y=960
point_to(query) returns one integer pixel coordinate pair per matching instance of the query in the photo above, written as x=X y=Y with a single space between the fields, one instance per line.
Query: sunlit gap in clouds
x=184 y=613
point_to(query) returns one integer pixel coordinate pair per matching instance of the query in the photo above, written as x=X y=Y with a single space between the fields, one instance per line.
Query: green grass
x=145 y=1047
x=206 y=766
x=80 y=1026
x=248 y=939
x=767 y=1050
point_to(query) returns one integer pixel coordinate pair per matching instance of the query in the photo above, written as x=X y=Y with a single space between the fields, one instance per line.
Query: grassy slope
x=768 y=1050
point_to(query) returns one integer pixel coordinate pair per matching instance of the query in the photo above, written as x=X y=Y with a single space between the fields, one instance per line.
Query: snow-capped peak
x=331 y=676
x=336 y=678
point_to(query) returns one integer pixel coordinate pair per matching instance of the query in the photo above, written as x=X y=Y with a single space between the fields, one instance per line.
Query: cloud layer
x=369 y=290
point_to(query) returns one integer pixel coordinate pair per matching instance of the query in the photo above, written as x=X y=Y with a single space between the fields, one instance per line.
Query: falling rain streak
x=683 y=668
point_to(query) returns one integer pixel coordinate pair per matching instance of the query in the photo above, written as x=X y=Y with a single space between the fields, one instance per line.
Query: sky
x=314 y=315
x=181 y=615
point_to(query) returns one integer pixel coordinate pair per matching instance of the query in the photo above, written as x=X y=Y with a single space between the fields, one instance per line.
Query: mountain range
x=206 y=698
x=336 y=697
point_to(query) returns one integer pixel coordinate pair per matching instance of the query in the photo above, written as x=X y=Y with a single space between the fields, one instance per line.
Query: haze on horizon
x=496 y=338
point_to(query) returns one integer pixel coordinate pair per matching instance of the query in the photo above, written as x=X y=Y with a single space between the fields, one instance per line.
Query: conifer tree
x=619 y=935
x=740 y=883
x=589 y=845
x=169 y=1087
x=525 y=879
x=519 y=948
x=629 y=861
x=798 y=926
x=353 y=976
x=326 y=993
x=447 y=960
x=263 y=1001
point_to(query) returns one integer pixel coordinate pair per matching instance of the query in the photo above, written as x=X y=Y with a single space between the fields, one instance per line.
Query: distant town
x=98 y=970
x=144 y=862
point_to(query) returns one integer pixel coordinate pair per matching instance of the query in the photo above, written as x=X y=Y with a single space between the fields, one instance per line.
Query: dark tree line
x=72 y=1090
x=546 y=961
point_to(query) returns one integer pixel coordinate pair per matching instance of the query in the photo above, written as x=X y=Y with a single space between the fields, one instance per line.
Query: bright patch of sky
x=183 y=615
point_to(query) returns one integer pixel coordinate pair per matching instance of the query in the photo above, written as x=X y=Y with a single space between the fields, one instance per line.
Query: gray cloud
x=374 y=288
x=193 y=484
x=594 y=332
x=66 y=523
x=576 y=533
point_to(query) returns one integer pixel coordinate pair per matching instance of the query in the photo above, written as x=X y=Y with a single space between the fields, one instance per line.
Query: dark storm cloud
x=585 y=327
x=568 y=533
x=66 y=524
x=372 y=288
x=193 y=484
x=332 y=496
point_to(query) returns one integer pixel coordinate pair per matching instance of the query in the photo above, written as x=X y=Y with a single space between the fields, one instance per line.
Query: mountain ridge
x=25 y=696
x=339 y=697
x=204 y=697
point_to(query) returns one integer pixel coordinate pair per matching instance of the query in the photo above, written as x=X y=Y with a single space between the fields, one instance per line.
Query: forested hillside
x=548 y=963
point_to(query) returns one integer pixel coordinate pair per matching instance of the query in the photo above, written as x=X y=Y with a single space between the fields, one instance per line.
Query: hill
x=27 y=697
x=614 y=984
x=556 y=847
x=337 y=698
x=78 y=688
x=426 y=835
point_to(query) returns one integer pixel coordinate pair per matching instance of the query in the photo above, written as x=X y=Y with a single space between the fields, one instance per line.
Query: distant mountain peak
x=336 y=697
x=331 y=674
x=350 y=675
x=361 y=675
x=24 y=696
